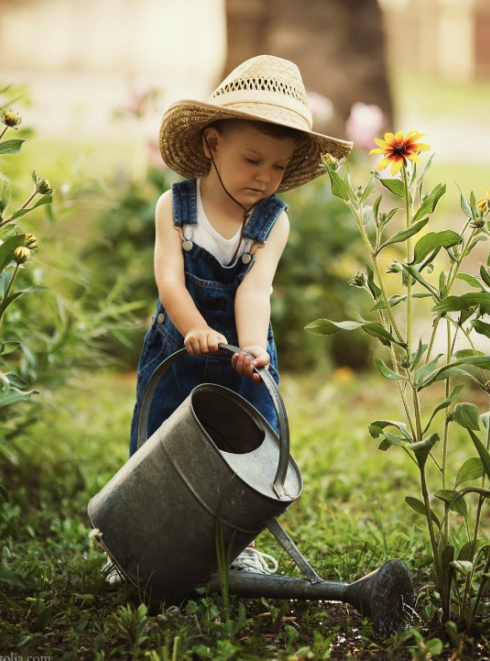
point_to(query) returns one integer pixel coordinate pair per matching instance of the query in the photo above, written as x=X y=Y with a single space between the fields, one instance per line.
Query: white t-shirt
x=205 y=236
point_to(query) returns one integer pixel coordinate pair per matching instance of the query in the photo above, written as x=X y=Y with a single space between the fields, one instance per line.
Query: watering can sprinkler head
x=386 y=595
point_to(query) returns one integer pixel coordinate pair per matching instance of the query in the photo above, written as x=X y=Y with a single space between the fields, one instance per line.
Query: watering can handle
x=272 y=389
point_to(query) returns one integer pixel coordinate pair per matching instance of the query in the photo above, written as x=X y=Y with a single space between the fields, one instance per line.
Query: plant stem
x=408 y=209
x=433 y=543
x=358 y=217
x=31 y=197
x=9 y=286
x=4 y=132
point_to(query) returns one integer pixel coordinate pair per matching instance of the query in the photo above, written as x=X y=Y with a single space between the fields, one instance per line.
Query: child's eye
x=252 y=161
x=280 y=167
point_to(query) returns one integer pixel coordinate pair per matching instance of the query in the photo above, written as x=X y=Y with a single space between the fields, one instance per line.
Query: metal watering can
x=217 y=464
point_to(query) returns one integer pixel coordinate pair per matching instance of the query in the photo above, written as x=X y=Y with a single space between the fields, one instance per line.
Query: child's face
x=251 y=163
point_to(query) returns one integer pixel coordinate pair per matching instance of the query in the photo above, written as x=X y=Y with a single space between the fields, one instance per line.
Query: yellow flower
x=482 y=204
x=398 y=148
x=21 y=254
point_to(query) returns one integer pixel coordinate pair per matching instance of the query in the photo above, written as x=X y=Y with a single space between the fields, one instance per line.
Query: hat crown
x=268 y=80
x=265 y=73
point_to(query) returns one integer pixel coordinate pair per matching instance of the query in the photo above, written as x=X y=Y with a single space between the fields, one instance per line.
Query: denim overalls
x=212 y=287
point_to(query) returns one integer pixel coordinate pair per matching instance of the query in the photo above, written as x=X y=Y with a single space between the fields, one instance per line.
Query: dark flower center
x=399 y=149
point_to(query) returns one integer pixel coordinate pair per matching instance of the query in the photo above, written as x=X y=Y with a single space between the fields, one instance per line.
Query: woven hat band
x=269 y=106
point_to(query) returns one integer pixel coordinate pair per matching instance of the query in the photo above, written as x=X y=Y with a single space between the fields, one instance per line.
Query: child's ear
x=210 y=139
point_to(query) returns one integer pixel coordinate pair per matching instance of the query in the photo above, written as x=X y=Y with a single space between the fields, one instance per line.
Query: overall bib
x=213 y=288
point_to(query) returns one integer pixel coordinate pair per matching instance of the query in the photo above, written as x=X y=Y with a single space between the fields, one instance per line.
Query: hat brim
x=181 y=141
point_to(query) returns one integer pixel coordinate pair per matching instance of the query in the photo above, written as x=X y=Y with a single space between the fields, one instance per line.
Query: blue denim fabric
x=212 y=287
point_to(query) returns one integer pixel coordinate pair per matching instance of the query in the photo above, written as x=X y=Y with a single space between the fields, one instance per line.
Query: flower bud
x=11 y=119
x=477 y=223
x=394 y=267
x=359 y=280
x=21 y=254
x=43 y=186
x=482 y=203
x=30 y=241
x=330 y=161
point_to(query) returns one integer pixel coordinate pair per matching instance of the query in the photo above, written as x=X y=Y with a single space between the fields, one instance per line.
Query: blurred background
x=92 y=79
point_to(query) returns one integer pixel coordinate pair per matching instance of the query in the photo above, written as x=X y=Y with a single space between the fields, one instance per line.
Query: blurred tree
x=337 y=44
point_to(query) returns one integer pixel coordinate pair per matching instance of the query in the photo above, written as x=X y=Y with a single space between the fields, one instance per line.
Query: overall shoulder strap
x=184 y=202
x=263 y=218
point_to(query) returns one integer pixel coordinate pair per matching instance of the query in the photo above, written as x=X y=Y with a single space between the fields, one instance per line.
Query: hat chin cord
x=246 y=212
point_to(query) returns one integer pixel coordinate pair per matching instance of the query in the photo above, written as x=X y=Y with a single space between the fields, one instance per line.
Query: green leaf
x=416 y=357
x=14 y=395
x=376 y=428
x=419 y=507
x=467 y=551
x=9 y=347
x=423 y=448
x=431 y=243
x=469 y=279
x=395 y=186
x=11 y=146
x=5 y=196
x=415 y=273
x=467 y=415
x=368 y=190
x=444 y=405
x=462 y=354
x=11 y=578
x=463 y=302
x=7 y=249
x=429 y=204
x=8 y=301
x=387 y=373
x=339 y=187
x=454 y=501
x=45 y=199
x=373 y=287
x=395 y=299
x=472 y=469
x=485 y=275
x=425 y=370
x=404 y=234
x=482 y=451
x=328 y=327
x=463 y=567
x=464 y=204
x=481 y=327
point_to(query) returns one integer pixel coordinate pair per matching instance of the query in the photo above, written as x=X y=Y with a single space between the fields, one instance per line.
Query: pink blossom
x=364 y=124
x=321 y=107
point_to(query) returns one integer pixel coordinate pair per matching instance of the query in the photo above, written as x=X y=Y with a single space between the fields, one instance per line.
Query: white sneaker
x=251 y=560
x=112 y=574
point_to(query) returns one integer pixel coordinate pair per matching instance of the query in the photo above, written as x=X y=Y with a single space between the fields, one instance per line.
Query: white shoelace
x=251 y=560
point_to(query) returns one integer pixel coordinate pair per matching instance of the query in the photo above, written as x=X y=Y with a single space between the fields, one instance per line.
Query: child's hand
x=203 y=339
x=244 y=364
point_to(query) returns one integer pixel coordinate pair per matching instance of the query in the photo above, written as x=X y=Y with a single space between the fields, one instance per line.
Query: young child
x=221 y=232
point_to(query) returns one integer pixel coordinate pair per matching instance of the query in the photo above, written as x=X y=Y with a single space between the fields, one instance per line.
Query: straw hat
x=264 y=88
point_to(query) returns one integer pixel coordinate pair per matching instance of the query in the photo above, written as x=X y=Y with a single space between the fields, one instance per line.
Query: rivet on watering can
x=187 y=245
x=246 y=258
x=160 y=318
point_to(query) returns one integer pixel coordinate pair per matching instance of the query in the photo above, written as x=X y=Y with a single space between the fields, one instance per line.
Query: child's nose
x=264 y=174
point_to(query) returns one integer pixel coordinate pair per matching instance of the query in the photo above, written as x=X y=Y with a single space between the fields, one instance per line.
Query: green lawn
x=350 y=518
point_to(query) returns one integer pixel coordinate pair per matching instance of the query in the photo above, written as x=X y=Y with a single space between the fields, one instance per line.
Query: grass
x=350 y=518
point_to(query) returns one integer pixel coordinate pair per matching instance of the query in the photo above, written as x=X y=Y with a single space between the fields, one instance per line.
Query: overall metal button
x=246 y=258
x=187 y=245
x=160 y=318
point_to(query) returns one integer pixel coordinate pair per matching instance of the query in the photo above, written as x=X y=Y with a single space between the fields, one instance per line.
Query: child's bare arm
x=169 y=274
x=252 y=302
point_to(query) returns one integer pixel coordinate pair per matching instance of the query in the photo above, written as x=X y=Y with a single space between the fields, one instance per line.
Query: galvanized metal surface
x=215 y=456
x=385 y=595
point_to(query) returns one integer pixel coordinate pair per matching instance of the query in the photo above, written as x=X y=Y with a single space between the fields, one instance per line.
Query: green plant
x=15 y=251
x=459 y=574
